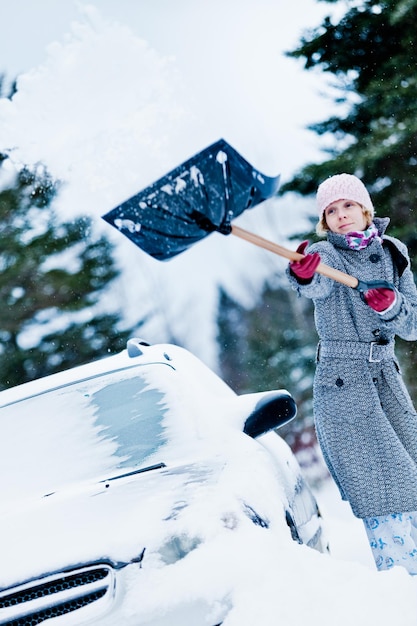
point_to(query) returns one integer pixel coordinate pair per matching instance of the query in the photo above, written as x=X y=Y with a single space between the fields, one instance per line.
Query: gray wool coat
x=365 y=421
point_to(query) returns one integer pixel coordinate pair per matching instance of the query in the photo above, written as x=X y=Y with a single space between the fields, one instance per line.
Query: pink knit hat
x=342 y=187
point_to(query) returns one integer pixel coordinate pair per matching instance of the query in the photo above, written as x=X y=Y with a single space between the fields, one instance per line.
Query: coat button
x=374 y=258
x=339 y=382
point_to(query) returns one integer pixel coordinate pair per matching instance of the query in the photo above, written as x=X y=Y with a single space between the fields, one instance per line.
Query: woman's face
x=345 y=216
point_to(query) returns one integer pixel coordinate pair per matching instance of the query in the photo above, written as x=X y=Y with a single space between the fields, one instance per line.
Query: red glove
x=305 y=268
x=379 y=299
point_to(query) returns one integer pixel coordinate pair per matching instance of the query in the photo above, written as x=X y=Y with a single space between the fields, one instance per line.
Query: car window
x=86 y=430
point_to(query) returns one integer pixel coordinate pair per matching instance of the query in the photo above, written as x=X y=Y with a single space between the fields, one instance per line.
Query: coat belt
x=373 y=351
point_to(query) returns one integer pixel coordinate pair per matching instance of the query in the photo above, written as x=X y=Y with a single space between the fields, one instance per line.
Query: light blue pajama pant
x=393 y=540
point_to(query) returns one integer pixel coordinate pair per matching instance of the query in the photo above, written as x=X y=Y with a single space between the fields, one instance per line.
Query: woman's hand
x=305 y=268
x=380 y=299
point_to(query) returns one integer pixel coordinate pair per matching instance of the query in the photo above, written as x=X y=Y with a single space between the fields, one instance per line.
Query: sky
x=113 y=94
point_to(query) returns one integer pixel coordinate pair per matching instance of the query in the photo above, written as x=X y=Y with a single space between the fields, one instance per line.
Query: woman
x=365 y=421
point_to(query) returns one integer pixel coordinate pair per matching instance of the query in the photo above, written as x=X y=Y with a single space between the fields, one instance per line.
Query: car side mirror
x=273 y=410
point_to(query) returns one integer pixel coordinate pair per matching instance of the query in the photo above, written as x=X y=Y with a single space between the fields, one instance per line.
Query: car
x=129 y=483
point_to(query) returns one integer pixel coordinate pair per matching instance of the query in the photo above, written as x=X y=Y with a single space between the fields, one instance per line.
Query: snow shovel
x=200 y=196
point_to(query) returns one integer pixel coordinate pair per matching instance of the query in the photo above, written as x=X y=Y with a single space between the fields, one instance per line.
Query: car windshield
x=93 y=428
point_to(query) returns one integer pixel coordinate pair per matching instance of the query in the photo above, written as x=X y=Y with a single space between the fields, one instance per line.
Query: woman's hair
x=322 y=229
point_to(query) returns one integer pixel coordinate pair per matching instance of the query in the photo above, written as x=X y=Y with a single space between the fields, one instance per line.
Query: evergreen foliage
x=372 y=58
x=51 y=279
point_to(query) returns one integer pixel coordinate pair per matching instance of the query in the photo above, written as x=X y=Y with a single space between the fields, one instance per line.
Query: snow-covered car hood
x=165 y=512
x=113 y=520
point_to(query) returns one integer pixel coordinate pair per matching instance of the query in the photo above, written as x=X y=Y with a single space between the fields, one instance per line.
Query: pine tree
x=51 y=279
x=371 y=56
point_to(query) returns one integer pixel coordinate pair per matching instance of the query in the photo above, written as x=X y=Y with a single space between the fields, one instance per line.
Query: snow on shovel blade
x=200 y=196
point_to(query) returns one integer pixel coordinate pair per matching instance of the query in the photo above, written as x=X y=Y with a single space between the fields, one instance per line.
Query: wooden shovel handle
x=322 y=268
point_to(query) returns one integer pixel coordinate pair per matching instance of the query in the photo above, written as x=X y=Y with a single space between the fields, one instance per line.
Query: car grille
x=52 y=596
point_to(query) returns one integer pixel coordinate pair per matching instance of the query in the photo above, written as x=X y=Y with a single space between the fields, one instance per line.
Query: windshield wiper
x=138 y=471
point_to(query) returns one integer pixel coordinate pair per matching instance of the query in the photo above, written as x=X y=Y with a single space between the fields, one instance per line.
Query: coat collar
x=400 y=260
x=339 y=241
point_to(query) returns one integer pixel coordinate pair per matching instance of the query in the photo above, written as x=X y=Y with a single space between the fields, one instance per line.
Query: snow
x=108 y=114
x=272 y=580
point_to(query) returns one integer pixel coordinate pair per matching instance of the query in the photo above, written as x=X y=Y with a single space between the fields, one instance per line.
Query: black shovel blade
x=200 y=196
